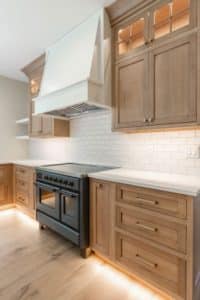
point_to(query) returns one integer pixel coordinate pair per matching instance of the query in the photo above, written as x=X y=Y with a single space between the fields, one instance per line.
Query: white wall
x=13 y=106
x=93 y=141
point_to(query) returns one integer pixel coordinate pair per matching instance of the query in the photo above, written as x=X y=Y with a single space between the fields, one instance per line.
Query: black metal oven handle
x=69 y=194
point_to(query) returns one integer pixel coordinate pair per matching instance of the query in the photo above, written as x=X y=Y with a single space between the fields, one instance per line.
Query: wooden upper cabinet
x=42 y=126
x=173 y=82
x=156 y=66
x=132 y=35
x=170 y=17
x=130 y=93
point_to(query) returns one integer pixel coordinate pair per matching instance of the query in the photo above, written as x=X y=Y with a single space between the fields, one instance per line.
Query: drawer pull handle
x=146 y=262
x=152 y=229
x=21 y=199
x=150 y=202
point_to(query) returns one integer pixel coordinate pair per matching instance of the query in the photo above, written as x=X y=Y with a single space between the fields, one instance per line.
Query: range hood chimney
x=77 y=74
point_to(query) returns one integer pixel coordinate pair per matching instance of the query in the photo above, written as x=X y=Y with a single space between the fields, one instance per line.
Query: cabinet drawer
x=163 y=202
x=21 y=198
x=143 y=224
x=22 y=185
x=22 y=172
x=155 y=266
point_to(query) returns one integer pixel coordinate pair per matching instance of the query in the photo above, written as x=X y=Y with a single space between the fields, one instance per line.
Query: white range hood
x=77 y=74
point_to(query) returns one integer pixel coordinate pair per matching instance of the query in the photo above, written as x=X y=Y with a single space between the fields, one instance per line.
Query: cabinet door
x=6 y=184
x=173 y=82
x=131 y=36
x=100 y=212
x=36 y=126
x=47 y=125
x=170 y=17
x=131 y=85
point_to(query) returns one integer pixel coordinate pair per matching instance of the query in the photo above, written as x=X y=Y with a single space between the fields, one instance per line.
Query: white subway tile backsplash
x=92 y=141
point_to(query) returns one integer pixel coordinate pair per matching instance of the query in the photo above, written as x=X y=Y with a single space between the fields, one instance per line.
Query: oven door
x=48 y=200
x=70 y=209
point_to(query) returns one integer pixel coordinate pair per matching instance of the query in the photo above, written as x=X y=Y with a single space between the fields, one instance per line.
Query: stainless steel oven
x=48 y=200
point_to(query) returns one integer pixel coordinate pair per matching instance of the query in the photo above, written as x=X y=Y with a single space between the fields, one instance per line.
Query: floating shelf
x=23 y=121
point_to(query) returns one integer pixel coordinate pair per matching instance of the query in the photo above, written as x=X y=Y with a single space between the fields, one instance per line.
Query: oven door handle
x=70 y=194
x=49 y=187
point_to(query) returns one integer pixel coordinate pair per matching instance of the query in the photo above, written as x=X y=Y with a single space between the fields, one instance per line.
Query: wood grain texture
x=171 y=62
x=42 y=265
x=173 y=84
x=102 y=196
x=130 y=92
x=6 y=184
x=152 y=231
x=24 y=189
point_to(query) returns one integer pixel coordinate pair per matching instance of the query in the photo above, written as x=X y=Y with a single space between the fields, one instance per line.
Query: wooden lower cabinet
x=152 y=264
x=6 y=184
x=101 y=211
x=150 y=234
x=24 y=189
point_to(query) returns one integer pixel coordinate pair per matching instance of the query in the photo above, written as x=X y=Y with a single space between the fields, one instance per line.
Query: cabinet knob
x=145 y=120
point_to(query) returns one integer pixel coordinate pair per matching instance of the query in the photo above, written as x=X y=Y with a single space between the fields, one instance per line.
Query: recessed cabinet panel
x=47 y=125
x=152 y=264
x=173 y=82
x=36 y=125
x=130 y=92
x=6 y=188
x=101 y=197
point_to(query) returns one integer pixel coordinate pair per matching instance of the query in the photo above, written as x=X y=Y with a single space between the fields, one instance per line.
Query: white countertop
x=187 y=185
x=30 y=163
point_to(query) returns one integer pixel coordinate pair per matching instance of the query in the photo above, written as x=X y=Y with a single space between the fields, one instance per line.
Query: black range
x=62 y=200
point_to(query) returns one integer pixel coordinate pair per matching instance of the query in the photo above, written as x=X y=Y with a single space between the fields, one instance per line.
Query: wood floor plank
x=41 y=265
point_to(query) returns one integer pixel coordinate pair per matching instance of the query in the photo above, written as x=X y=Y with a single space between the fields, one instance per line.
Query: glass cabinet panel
x=131 y=36
x=180 y=14
x=171 y=17
x=162 y=21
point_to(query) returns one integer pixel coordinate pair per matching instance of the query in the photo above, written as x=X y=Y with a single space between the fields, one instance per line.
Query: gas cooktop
x=74 y=169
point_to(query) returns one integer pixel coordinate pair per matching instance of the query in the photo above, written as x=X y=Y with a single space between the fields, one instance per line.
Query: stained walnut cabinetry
x=148 y=233
x=44 y=125
x=6 y=184
x=155 y=64
x=24 y=189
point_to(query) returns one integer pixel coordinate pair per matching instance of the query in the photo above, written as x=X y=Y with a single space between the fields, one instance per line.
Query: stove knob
x=66 y=182
x=71 y=183
x=61 y=181
x=55 y=179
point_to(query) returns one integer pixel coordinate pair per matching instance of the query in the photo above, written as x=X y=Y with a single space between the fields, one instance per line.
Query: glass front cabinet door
x=161 y=20
x=170 y=17
x=132 y=35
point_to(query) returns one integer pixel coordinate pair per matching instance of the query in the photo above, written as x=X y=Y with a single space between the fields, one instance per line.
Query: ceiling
x=28 y=27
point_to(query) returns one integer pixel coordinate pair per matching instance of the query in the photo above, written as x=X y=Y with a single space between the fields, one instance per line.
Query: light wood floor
x=41 y=265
